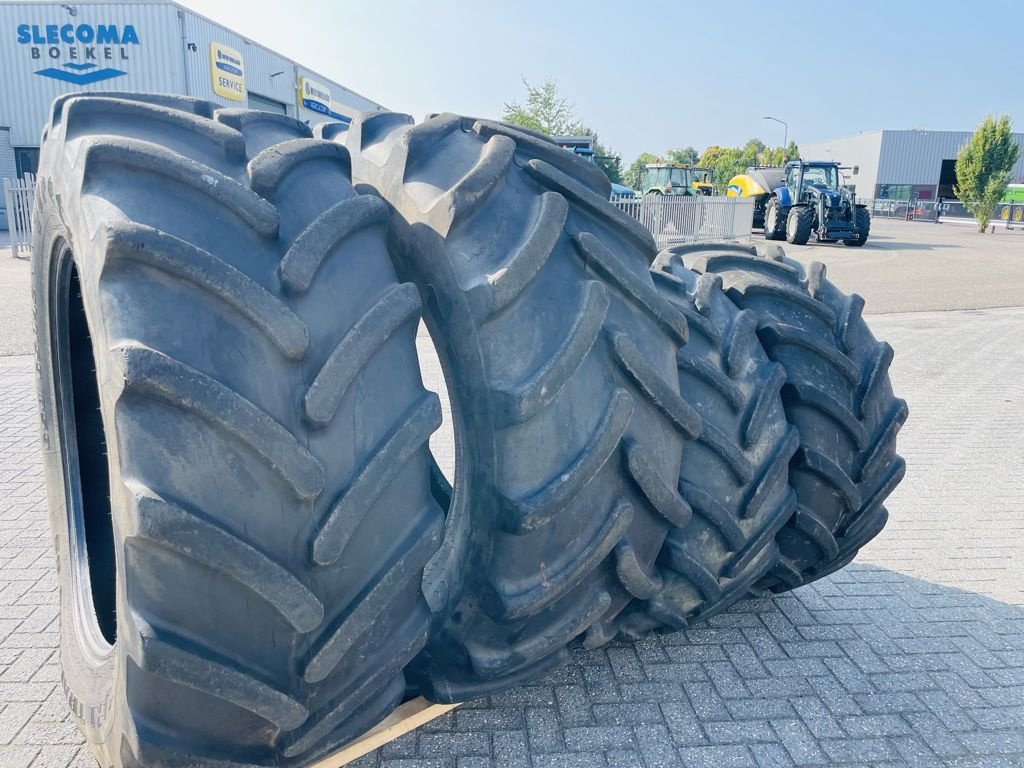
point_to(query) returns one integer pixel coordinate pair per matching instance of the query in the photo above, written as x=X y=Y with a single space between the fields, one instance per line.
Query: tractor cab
x=823 y=177
x=677 y=179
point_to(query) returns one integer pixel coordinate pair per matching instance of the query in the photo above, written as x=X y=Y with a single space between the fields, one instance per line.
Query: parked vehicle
x=678 y=179
x=1012 y=204
x=814 y=199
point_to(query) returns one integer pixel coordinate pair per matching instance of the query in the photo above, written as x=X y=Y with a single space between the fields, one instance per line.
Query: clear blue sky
x=652 y=76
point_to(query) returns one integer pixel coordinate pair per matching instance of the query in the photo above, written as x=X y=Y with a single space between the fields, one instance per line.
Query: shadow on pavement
x=865 y=667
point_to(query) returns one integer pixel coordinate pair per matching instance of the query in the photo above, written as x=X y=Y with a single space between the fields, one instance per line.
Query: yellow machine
x=757 y=182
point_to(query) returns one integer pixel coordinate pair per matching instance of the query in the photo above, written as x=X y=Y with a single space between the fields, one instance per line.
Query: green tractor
x=677 y=179
x=813 y=199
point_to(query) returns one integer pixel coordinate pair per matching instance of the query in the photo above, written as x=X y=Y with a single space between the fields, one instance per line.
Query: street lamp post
x=785 y=134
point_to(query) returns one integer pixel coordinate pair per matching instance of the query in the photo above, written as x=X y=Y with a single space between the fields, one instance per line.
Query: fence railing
x=673 y=220
x=1010 y=214
x=19 y=195
x=670 y=219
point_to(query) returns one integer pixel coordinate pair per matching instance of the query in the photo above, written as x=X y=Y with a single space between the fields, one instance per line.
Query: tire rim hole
x=442 y=442
x=90 y=522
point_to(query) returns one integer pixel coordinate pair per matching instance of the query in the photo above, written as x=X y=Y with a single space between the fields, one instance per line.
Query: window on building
x=26 y=159
x=266 y=104
x=894 y=191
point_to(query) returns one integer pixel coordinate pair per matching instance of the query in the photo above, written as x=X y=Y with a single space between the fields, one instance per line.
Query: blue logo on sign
x=86 y=75
x=229 y=64
x=67 y=42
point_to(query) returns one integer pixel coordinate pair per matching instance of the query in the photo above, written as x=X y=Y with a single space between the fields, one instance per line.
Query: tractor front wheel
x=774 y=221
x=799 y=224
x=863 y=223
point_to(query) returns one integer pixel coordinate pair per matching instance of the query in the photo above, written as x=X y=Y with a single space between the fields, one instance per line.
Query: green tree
x=686 y=156
x=726 y=162
x=983 y=167
x=547 y=111
x=752 y=150
x=634 y=175
x=609 y=161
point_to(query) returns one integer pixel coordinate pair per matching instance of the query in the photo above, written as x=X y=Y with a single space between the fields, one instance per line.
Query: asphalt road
x=918 y=267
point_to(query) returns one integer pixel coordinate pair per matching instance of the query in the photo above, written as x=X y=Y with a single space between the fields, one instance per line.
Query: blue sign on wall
x=79 y=49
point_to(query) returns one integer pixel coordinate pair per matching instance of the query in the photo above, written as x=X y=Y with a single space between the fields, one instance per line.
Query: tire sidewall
x=88 y=679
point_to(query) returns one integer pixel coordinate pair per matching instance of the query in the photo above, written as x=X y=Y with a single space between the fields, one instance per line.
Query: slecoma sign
x=81 y=49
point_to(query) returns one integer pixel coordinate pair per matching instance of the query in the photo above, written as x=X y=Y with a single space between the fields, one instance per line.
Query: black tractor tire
x=735 y=475
x=838 y=396
x=799 y=224
x=559 y=355
x=774 y=220
x=862 y=221
x=235 y=435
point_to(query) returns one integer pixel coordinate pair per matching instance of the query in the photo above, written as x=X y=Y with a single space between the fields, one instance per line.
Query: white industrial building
x=901 y=165
x=49 y=49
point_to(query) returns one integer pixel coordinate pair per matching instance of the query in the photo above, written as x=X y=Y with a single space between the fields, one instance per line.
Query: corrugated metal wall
x=172 y=56
x=260 y=64
x=861 y=150
x=154 y=65
x=915 y=157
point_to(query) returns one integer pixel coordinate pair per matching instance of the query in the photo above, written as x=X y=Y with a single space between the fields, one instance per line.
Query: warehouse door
x=947 y=178
x=265 y=104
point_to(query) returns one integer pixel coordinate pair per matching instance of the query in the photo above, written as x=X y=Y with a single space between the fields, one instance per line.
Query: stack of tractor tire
x=259 y=558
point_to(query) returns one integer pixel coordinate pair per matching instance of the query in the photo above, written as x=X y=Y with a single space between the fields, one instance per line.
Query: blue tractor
x=813 y=199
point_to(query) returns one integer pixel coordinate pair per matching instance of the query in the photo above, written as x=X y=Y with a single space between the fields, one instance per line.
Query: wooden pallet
x=406 y=717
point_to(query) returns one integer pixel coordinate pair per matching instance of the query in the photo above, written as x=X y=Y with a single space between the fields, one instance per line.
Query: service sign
x=227 y=72
x=314 y=96
x=80 y=54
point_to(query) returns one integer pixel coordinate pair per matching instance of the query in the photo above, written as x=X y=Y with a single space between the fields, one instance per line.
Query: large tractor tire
x=235 y=435
x=774 y=220
x=799 y=223
x=735 y=475
x=838 y=396
x=560 y=359
x=862 y=219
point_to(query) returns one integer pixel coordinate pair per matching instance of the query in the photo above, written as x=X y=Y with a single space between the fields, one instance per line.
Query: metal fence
x=909 y=210
x=673 y=220
x=1010 y=214
x=19 y=195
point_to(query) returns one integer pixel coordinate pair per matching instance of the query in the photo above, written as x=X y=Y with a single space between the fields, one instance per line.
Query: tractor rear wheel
x=734 y=476
x=838 y=396
x=863 y=224
x=565 y=398
x=799 y=223
x=235 y=435
x=774 y=221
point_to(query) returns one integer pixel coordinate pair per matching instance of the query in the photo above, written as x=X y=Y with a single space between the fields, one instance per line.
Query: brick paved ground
x=914 y=656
